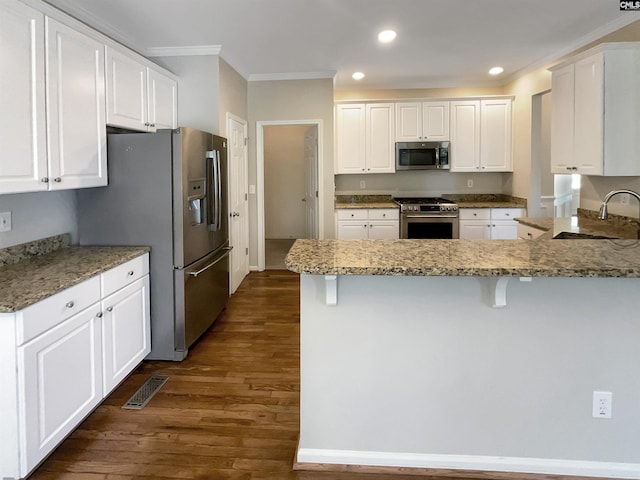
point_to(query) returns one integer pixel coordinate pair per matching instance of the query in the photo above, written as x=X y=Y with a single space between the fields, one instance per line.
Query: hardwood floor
x=228 y=411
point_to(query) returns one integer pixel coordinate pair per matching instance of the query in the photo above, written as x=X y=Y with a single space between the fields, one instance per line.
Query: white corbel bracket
x=331 y=289
x=500 y=291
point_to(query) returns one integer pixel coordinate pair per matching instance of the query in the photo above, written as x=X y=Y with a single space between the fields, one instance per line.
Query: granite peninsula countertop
x=484 y=258
x=583 y=225
x=39 y=276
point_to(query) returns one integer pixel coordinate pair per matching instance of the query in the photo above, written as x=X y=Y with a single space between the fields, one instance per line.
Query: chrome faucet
x=604 y=213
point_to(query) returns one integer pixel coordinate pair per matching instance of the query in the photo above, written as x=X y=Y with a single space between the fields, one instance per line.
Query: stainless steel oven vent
x=148 y=389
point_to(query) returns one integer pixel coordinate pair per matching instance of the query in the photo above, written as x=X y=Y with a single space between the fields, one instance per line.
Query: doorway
x=289 y=172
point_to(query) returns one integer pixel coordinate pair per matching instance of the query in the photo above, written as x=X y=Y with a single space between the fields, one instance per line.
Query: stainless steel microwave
x=422 y=155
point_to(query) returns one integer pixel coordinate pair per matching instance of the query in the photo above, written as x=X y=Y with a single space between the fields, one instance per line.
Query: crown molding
x=193 y=50
x=260 y=77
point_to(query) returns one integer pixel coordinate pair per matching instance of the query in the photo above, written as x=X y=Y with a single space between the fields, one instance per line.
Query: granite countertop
x=485 y=258
x=463 y=200
x=342 y=205
x=490 y=204
x=364 y=201
x=582 y=225
x=39 y=276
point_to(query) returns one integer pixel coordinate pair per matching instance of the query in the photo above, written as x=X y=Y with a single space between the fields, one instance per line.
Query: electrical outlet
x=363 y=184
x=5 y=222
x=602 y=404
x=624 y=199
x=469 y=183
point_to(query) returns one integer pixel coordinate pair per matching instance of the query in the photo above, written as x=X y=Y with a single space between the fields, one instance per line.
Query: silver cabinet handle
x=99 y=314
x=109 y=309
x=45 y=180
x=57 y=179
x=70 y=304
x=130 y=273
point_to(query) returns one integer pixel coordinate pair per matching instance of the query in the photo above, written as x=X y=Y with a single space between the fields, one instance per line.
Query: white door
x=77 y=131
x=408 y=122
x=126 y=91
x=435 y=121
x=465 y=136
x=350 y=141
x=495 y=135
x=379 y=138
x=238 y=201
x=562 y=119
x=311 y=175
x=163 y=91
x=23 y=164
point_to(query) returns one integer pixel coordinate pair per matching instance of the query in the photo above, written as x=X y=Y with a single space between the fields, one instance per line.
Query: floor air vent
x=148 y=389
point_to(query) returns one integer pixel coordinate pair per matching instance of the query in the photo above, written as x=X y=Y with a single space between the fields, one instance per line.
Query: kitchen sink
x=579 y=236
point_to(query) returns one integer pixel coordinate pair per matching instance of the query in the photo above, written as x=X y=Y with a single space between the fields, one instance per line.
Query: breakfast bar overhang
x=406 y=361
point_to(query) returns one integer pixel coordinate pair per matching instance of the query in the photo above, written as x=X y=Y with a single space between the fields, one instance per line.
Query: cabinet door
x=126 y=91
x=589 y=115
x=60 y=378
x=379 y=135
x=350 y=132
x=495 y=136
x=126 y=338
x=435 y=121
x=384 y=229
x=504 y=230
x=562 y=118
x=162 y=96
x=23 y=163
x=464 y=155
x=408 y=122
x=475 y=230
x=75 y=116
x=352 y=230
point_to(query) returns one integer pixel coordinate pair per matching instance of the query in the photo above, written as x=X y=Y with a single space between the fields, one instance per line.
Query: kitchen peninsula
x=449 y=355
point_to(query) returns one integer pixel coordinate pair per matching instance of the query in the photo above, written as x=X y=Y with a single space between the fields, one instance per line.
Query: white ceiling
x=440 y=43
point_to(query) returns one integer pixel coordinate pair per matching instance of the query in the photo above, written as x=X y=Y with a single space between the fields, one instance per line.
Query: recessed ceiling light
x=386 y=36
x=496 y=71
x=358 y=76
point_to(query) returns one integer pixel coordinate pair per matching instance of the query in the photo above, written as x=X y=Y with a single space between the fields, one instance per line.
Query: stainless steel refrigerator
x=168 y=190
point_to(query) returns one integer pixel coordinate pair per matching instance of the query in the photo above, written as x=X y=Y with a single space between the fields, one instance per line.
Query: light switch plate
x=5 y=221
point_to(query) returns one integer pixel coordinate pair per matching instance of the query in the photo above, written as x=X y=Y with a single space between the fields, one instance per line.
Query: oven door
x=429 y=226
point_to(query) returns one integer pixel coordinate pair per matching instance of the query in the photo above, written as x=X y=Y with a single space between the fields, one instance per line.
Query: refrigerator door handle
x=224 y=255
x=218 y=193
x=212 y=185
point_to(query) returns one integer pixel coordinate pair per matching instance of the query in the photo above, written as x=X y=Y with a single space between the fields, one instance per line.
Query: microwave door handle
x=437 y=157
x=211 y=176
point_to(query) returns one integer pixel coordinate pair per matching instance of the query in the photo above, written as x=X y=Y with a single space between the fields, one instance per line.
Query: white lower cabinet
x=61 y=356
x=374 y=223
x=489 y=223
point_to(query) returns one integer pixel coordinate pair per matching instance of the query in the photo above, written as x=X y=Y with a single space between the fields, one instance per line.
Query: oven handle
x=429 y=216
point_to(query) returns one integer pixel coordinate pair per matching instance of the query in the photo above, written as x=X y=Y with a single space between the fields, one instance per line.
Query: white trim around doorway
x=260 y=178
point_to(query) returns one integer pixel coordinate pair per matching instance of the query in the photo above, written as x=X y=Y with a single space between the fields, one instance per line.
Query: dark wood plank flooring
x=229 y=411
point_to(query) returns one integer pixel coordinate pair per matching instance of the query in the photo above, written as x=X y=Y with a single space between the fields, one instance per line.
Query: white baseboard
x=545 y=466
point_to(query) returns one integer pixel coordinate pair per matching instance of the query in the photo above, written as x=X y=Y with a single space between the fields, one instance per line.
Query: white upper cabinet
x=481 y=136
x=77 y=136
x=23 y=163
x=364 y=136
x=464 y=155
x=495 y=136
x=595 y=116
x=138 y=97
x=416 y=121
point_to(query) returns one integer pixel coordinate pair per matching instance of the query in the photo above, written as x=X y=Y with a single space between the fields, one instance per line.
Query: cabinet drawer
x=384 y=214
x=475 y=213
x=122 y=275
x=526 y=232
x=352 y=214
x=38 y=318
x=505 y=213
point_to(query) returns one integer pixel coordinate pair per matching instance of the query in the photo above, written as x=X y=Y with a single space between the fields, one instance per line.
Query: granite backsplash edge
x=43 y=246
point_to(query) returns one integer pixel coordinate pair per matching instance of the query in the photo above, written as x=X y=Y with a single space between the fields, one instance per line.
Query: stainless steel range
x=434 y=218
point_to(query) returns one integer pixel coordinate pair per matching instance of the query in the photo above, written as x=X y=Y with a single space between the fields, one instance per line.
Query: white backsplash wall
x=39 y=215
x=431 y=183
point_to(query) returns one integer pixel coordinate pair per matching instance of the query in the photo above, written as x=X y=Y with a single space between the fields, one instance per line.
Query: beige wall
x=292 y=100
x=233 y=95
x=284 y=181
x=198 y=90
